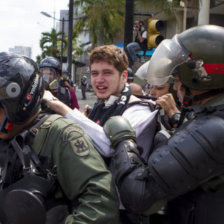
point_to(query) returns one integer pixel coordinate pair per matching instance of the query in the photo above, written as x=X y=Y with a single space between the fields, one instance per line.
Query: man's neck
x=203 y=101
x=110 y=100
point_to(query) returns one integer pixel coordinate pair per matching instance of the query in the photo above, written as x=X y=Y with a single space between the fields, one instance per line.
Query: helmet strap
x=189 y=99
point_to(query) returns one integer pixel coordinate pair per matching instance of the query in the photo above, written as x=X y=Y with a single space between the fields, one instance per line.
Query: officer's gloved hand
x=118 y=129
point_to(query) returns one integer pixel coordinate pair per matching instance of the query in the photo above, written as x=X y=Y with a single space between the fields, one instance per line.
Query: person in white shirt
x=108 y=66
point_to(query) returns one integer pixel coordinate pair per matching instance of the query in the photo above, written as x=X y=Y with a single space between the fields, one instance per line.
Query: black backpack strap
x=22 y=142
x=139 y=102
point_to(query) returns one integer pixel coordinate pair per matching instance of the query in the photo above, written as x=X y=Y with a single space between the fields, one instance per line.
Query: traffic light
x=154 y=37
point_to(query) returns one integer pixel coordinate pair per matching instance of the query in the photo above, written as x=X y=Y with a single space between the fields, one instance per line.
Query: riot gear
x=186 y=171
x=51 y=62
x=198 y=52
x=173 y=169
x=142 y=71
x=50 y=67
x=21 y=88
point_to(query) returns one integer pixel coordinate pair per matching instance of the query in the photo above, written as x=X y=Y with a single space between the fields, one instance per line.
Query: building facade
x=22 y=50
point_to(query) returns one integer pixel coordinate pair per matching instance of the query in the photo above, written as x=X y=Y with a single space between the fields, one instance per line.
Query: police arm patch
x=74 y=136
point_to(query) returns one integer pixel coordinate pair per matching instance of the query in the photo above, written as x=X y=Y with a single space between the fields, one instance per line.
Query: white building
x=21 y=50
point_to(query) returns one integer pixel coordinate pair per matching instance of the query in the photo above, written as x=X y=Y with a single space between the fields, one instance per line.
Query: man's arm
x=82 y=175
x=184 y=163
x=140 y=37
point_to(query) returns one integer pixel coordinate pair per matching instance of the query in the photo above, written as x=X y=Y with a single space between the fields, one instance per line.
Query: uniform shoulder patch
x=75 y=137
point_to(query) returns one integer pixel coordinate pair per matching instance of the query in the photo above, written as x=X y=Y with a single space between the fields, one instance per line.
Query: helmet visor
x=48 y=75
x=142 y=71
x=168 y=55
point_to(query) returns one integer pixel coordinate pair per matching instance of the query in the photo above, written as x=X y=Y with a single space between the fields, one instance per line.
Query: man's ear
x=124 y=75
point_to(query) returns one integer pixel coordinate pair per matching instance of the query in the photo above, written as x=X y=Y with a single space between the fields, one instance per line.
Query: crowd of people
x=131 y=158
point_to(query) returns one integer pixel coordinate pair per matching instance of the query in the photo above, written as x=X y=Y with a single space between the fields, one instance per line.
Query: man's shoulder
x=134 y=99
x=59 y=122
x=57 y=129
x=141 y=102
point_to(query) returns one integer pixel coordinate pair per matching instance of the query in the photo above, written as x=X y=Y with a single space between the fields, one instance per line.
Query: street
x=90 y=98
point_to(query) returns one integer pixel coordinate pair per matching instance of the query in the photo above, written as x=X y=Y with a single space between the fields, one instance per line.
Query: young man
x=187 y=171
x=108 y=66
x=50 y=171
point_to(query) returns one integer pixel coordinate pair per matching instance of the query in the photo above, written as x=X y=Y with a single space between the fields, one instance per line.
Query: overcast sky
x=21 y=22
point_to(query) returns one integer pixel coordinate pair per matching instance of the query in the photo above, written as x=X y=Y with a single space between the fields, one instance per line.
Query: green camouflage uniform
x=81 y=172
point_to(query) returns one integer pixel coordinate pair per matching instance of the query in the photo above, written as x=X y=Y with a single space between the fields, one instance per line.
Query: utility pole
x=70 y=29
x=62 y=39
x=128 y=26
x=203 y=15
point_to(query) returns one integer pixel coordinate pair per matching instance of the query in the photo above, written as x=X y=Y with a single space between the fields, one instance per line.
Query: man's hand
x=168 y=104
x=55 y=104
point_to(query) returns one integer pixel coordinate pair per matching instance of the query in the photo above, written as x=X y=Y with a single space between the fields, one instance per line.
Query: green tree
x=104 y=19
x=50 y=43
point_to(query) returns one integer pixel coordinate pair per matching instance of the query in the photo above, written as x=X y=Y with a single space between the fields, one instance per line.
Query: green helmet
x=198 y=53
x=205 y=68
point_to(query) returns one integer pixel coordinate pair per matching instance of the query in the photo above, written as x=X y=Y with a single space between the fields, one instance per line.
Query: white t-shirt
x=144 y=34
x=140 y=117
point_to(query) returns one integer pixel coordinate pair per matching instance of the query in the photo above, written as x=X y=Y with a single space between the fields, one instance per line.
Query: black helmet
x=51 y=62
x=21 y=87
x=198 y=53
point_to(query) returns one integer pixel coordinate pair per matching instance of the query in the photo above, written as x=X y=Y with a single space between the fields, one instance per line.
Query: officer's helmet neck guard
x=21 y=89
x=198 y=53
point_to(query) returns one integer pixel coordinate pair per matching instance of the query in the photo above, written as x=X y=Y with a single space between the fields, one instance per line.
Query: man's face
x=177 y=86
x=107 y=80
x=157 y=91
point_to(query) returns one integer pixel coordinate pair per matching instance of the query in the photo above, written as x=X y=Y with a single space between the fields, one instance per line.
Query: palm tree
x=104 y=19
x=50 y=43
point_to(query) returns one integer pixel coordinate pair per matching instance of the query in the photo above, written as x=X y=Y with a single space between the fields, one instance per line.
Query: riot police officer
x=187 y=171
x=49 y=170
x=51 y=70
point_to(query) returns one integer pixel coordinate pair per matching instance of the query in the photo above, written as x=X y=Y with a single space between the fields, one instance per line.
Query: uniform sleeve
x=95 y=131
x=83 y=176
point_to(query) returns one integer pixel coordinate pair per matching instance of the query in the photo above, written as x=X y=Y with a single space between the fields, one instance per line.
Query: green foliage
x=169 y=8
x=50 y=43
x=104 y=19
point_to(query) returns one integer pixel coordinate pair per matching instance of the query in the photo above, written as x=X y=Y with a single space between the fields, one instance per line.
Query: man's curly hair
x=111 y=54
